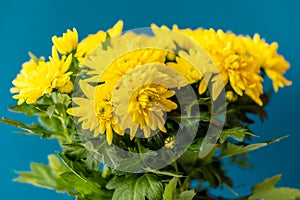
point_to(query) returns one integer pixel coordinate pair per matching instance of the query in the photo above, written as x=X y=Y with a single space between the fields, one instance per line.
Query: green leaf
x=63 y=99
x=267 y=191
x=99 y=150
x=135 y=187
x=196 y=147
x=26 y=109
x=74 y=150
x=50 y=110
x=40 y=176
x=187 y=195
x=29 y=128
x=170 y=190
x=234 y=149
x=45 y=176
x=61 y=178
x=53 y=124
x=277 y=139
x=237 y=133
x=85 y=188
x=74 y=167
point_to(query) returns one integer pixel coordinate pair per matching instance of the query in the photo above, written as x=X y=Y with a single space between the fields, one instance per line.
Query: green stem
x=181 y=188
x=65 y=129
x=65 y=135
x=139 y=149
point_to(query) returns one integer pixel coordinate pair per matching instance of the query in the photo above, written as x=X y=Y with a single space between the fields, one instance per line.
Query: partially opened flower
x=67 y=43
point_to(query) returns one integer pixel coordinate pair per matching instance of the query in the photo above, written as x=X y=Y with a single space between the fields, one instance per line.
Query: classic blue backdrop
x=29 y=25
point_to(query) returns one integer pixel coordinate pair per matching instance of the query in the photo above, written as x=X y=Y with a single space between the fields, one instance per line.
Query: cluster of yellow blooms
x=39 y=77
x=240 y=61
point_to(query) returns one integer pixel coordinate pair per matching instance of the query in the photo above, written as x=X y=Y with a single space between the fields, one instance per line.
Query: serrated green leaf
x=74 y=167
x=187 y=195
x=267 y=191
x=45 y=176
x=233 y=149
x=40 y=176
x=29 y=128
x=237 y=133
x=61 y=178
x=82 y=186
x=136 y=187
x=89 y=189
x=170 y=190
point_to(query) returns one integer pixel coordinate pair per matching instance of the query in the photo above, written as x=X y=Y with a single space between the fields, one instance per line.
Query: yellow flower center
x=104 y=111
x=148 y=97
x=145 y=100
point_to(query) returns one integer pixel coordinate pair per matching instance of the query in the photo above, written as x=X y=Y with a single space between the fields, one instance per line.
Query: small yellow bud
x=231 y=96
x=67 y=88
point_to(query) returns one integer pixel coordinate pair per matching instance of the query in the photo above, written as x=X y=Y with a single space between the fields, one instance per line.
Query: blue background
x=29 y=25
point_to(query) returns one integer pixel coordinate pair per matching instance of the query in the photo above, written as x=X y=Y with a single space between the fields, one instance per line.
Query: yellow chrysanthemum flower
x=141 y=98
x=38 y=77
x=67 y=43
x=95 y=111
x=235 y=65
x=87 y=45
x=274 y=64
x=192 y=60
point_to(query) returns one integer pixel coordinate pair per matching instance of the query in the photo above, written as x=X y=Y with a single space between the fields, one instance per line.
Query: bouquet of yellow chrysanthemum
x=145 y=113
